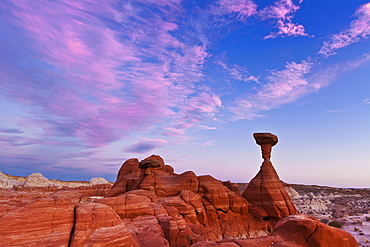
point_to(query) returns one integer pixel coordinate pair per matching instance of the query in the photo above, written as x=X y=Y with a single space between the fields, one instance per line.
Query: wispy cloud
x=358 y=30
x=284 y=86
x=193 y=111
x=204 y=127
x=209 y=142
x=97 y=73
x=283 y=12
x=238 y=72
x=242 y=8
x=11 y=130
x=145 y=145
x=366 y=101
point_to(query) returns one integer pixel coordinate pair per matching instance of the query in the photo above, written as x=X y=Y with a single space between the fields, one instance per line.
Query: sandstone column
x=265 y=190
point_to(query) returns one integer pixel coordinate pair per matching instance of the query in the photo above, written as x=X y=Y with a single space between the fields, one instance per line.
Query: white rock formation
x=37 y=180
x=98 y=180
x=7 y=182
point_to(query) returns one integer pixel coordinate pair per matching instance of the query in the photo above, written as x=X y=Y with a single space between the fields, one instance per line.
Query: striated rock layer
x=44 y=222
x=182 y=208
x=293 y=231
x=265 y=190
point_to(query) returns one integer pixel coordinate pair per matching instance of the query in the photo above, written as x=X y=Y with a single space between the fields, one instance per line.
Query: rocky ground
x=349 y=207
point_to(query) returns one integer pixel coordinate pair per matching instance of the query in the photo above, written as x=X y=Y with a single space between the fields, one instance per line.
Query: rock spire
x=265 y=190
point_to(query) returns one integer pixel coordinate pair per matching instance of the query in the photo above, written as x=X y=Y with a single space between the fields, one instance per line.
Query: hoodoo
x=265 y=190
x=150 y=205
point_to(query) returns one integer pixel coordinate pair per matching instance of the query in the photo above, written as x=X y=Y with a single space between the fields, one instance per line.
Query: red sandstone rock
x=126 y=178
x=131 y=204
x=147 y=231
x=98 y=225
x=152 y=174
x=305 y=229
x=294 y=231
x=266 y=190
x=150 y=205
x=176 y=230
x=47 y=221
x=266 y=141
x=168 y=184
x=215 y=192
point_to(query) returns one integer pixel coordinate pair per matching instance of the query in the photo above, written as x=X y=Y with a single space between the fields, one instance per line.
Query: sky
x=88 y=84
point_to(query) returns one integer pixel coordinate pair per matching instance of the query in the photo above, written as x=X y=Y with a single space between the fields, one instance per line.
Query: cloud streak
x=283 y=12
x=145 y=145
x=283 y=86
x=11 y=130
x=287 y=85
x=359 y=29
x=242 y=8
x=99 y=72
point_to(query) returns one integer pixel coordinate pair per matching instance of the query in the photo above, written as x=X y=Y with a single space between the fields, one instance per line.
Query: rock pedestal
x=266 y=190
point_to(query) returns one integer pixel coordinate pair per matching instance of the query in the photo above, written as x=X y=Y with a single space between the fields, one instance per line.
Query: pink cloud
x=243 y=8
x=204 y=127
x=287 y=29
x=287 y=85
x=359 y=29
x=209 y=143
x=283 y=86
x=238 y=72
x=193 y=111
x=106 y=73
x=283 y=12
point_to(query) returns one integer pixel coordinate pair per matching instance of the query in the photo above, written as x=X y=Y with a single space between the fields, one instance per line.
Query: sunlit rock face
x=150 y=205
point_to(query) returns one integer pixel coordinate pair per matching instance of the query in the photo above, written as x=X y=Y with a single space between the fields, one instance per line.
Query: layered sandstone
x=293 y=231
x=45 y=221
x=99 y=225
x=265 y=190
x=183 y=208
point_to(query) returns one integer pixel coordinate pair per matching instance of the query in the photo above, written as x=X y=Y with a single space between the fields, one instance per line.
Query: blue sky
x=85 y=85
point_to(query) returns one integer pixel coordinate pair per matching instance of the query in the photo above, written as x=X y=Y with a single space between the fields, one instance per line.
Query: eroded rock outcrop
x=293 y=231
x=150 y=205
x=265 y=190
x=185 y=208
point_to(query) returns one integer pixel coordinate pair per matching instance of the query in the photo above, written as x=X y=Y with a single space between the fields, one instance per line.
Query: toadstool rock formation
x=265 y=190
x=150 y=205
